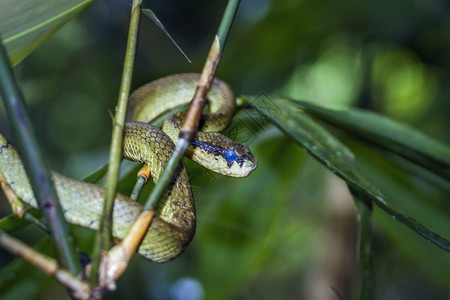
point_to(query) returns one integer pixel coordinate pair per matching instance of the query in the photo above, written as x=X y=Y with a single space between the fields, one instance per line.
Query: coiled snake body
x=174 y=227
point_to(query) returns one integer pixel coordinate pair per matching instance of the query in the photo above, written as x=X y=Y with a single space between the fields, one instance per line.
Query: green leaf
x=425 y=202
x=96 y=175
x=11 y=223
x=335 y=156
x=395 y=137
x=152 y=16
x=26 y=24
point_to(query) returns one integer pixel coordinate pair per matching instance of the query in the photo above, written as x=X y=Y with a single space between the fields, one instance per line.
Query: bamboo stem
x=35 y=166
x=190 y=124
x=104 y=237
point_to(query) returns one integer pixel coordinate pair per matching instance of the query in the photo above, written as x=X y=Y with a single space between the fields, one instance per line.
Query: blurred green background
x=267 y=236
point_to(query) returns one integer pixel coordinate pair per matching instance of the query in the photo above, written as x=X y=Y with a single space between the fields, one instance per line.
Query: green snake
x=174 y=226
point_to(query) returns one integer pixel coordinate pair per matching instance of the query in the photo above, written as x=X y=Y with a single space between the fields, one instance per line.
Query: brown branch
x=46 y=264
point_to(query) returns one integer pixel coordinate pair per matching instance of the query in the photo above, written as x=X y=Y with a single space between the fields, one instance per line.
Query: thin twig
x=104 y=236
x=143 y=176
x=46 y=264
x=190 y=124
x=116 y=262
x=35 y=165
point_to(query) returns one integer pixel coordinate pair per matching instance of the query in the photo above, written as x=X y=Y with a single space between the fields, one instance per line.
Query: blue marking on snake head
x=230 y=155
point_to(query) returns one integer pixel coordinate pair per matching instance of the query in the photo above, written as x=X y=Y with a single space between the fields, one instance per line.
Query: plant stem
x=46 y=264
x=104 y=236
x=137 y=188
x=227 y=20
x=365 y=254
x=190 y=124
x=35 y=165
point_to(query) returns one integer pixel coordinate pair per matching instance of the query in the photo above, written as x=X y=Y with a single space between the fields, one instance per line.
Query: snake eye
x=230 y=155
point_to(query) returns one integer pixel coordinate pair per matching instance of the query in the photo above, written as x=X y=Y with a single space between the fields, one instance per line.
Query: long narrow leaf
x=96 y=175
x=389 y=134
x=424 y=202
x=11 y=223
x=152 y=16
x=35 y=166
x=335 y=156
x=26 y=24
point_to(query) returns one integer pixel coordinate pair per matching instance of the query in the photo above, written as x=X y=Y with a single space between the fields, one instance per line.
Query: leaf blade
x=336 y=157
x=386 y=133
x=152 y=16
x=26 y=24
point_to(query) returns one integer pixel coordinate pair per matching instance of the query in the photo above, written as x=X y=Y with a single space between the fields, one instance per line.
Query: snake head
x=222 y=155
x=240 y=161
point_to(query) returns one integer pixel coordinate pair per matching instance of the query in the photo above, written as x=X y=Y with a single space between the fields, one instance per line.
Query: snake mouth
x=237 y=170
x=250 y=166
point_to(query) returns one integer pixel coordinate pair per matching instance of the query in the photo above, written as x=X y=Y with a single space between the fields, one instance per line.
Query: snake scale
x=174 y=226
